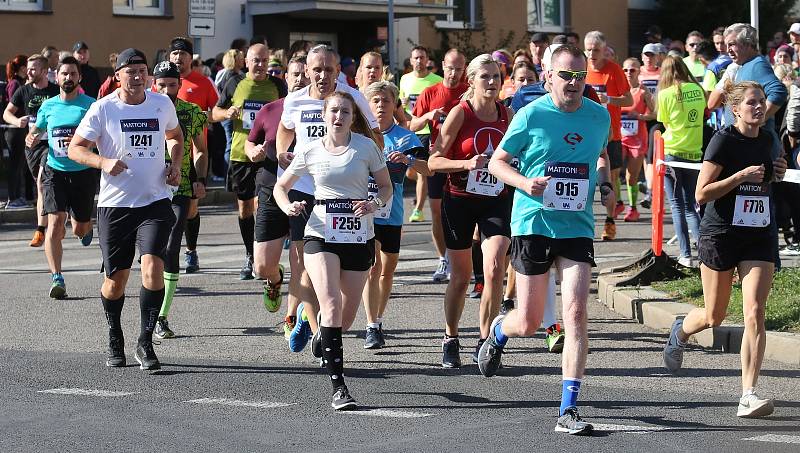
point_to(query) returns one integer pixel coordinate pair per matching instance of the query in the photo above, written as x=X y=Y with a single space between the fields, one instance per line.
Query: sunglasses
x=629 y=69
x=693 y=44
x=570 y=75
x=274 y=72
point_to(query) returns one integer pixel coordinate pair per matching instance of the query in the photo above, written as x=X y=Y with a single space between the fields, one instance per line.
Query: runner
x=634 y=133
x=240 y=102
x=130 y=129
x=371 y=70
x=68 y=187
x=194 y=168
x=339 y=246
x=470 y=134
x=523 y=75
x=199 y=90
x=272 y=225
x=649 y=73
x=552 y=220
x=692 y=60
x=607 y=78
x=736 y=173
x=400 y=149
x=21 y=112
x=411 y=86
x=302 y=122
x=431 y=109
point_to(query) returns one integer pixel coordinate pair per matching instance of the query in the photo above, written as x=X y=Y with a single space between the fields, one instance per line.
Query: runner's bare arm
x=419 y=122
x=255 y=152
x=384 y=183
x=437 y=162
x=221 y=114
x=200 y=152
x=175 y=147
x=715 y=99
x=32 y=139
x=626 y=100
x=283 y=140
x=378 y=137
x=281 y=194
x=80 y=151
x=10 y=116
x=500 y=166
x=709 y=189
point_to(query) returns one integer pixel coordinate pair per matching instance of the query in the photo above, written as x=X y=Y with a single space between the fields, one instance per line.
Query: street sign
x=202 y=7
x=201 y=26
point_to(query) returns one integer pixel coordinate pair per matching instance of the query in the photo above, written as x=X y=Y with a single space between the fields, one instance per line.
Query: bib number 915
x=568 y=189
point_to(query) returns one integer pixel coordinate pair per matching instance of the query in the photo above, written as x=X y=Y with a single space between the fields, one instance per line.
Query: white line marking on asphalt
x=87 y=392
x=388 y=413
x=238 y=403
x=782 y=438
x=626 y=428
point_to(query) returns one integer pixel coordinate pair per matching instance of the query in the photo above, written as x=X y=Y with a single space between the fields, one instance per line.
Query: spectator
x=676 y=48
x=539 y=43
x=784 y=55
x=573 y=38
x=522 y=55
x=692 y=60
x=15 y=138
x=794 y=40
x=110 y=84
x=239 y=44
x=90 y=79
x=51 y=53
x=299 y=48
x=232 y=64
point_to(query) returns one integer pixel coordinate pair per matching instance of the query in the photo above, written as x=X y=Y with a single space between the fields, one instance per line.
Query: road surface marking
x=87 y=392
x=626 y=428
x=387 y=413
x=782 y=438
x=238 y=403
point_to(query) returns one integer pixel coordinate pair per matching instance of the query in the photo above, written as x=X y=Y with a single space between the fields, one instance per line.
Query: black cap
x=130 y=56
x=539 y=37
x=166 y=70
x=183 y=44
x=653 y=30
x=79 y=46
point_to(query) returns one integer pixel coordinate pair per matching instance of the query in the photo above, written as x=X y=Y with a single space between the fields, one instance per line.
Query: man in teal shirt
x=66 y=185
x=558 y=139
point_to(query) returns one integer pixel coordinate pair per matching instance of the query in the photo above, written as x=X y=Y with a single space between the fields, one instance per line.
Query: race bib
x=143 y=138
x=312 y=124
x=568 y=187
x=60 y=137
x=481 y=182
x=629 y=127
x=412 y=101
x=341 y=224
x=249 y=111
x=751 y=208
x=600 y=89
x=386 y=210
x=651 y=85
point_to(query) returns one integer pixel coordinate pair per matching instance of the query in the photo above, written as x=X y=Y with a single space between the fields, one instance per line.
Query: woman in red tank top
x=634 y=133
x=473 y=198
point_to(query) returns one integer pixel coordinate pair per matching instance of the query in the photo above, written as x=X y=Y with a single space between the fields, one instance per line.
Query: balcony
x=346 y=9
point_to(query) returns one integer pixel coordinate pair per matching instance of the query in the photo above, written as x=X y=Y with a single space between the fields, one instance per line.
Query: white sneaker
x=686 y=261
x=751 y=406
x=442 y=273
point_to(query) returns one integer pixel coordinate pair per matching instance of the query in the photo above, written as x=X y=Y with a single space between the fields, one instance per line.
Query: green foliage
x=678 y=17
x=463 y=40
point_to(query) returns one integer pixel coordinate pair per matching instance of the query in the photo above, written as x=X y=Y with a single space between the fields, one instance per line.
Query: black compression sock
x=332 y=354
x=477 y=261
x=41 y=229
x=149 y=306
x=113 y=310
x=192 y=231
x=247 y=227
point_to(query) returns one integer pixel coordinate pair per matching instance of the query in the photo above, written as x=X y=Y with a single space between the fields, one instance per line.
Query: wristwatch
x=378 y=202
x=411 y=160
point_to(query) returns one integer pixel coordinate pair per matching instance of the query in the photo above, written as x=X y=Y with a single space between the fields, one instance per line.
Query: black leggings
x=180 y=207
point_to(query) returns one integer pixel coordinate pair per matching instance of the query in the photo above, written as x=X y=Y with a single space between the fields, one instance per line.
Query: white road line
x=626 y=428
x=238 y=403
x=388 y=413
x=782 y=438
x=87 y=392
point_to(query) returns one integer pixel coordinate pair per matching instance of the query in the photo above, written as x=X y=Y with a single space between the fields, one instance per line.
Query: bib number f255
x=342 y=226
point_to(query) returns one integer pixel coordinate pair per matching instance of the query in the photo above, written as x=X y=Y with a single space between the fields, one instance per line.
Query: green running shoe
x=272 y=293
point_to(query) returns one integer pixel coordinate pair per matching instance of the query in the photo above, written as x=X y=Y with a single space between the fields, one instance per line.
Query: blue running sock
x=499 y=336
x=569 y=393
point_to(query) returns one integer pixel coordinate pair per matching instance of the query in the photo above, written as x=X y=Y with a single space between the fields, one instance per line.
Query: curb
x=658 y=310
x=214 y=196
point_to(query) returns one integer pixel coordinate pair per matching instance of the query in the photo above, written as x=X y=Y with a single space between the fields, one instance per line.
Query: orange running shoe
x=609 y=230
x=38 y=239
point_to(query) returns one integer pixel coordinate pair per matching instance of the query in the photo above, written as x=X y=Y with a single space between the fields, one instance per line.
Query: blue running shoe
x=86 y=240
x=301 y=333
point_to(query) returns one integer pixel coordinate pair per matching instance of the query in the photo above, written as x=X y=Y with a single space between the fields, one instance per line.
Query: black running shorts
x=534 y=254
x=69 y=191
x=353 y=257
x=460 y=215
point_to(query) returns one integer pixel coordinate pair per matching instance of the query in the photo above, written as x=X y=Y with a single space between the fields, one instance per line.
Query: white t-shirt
x=343 y=176
x=303 y=114
x=136 y=134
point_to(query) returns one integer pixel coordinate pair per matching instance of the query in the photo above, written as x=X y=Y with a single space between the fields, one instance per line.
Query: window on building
x=139 y=7
x=465 y=14
x=22 y=5
x=546 y=15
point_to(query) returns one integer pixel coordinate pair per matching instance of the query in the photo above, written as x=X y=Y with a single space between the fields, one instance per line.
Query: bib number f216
x=481 y=182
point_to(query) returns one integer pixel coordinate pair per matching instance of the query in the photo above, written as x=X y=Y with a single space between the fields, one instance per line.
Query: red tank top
x=475 y=137
x=635 y=135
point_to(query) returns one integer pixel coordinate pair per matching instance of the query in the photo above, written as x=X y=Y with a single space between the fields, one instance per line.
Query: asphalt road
x=228 y=381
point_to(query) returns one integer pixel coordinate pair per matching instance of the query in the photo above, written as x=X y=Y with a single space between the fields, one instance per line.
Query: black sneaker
x=506 y=306
x=247 y=269
x=374 y=338
x=477 y=348
x=572 y=423
x=116 y=349
x=450 y=355
x=490 y=354
x=342 y=401
x=316 y=340
x=146 y=357
x=162 y=329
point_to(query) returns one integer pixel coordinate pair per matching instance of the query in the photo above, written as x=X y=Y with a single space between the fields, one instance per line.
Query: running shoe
x=491 y=352
x=416 y=216
x=288 y=325
x=609 y=230
x=19 y=203
x=477 y=290
x=441 y=274
x=506 y=306
x=554 y=339
x=790 y=250
x=116 y=349
x=301 y=333
x=753 y=406
x=272 y=291
x=342 y=401
x=38 y=239
x=162 y=330
x=374 y=338
x=146 y=356
x=450 y=353
x=316 y=340
x=191 y=262
x=247 y=269
x=58 y=290
x=477 y=350
x=619 y=208
x=687 y=261
x=632 y=215
x=286 y=244
x=646 y=202
x=86 y=240
x=572 y=423
x=673 y=351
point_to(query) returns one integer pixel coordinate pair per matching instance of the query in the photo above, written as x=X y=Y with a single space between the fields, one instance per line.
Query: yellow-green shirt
x=697 y=68
x=682 y=116
x=410 y=88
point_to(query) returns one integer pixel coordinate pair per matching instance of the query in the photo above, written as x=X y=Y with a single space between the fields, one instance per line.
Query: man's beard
x=69 y=87
x=173 y=97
